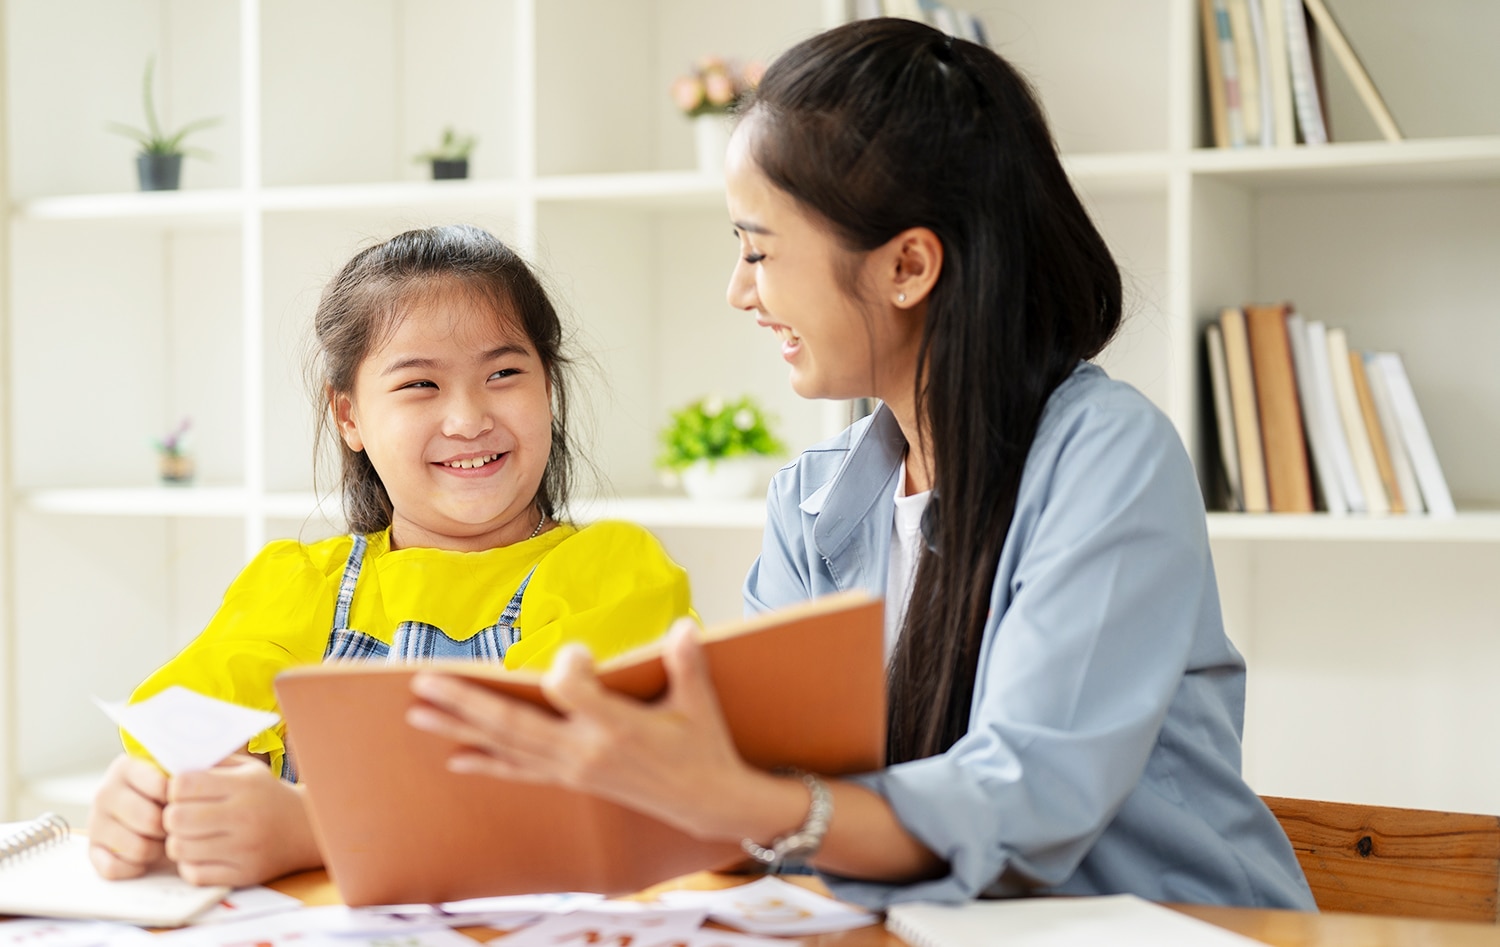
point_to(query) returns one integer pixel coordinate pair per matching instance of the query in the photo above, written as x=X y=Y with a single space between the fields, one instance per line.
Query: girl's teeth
x=473 y=462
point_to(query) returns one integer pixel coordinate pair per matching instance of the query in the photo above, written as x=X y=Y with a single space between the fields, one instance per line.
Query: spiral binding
x=49 y=828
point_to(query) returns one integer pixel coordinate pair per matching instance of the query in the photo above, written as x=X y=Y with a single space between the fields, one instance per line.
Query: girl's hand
x=126 y=837
x=672 y=759
x=237 y=824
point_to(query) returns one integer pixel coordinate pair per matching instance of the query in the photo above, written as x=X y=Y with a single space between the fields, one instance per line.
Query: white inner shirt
x=906 y=548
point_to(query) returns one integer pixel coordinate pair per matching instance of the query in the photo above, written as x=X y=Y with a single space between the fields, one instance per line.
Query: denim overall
x=413 y=640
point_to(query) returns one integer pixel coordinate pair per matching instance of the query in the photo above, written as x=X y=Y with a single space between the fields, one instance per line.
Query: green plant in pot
x=159 y=163
x=713 y=446
x=450 y=159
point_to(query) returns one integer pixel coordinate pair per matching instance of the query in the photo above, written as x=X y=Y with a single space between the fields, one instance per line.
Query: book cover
x=1229 y=69
x=1354 y=424
x=1332 y=420
x=1288 y=478
x=1213 y=74
x=1406 y=477
x=1246 y=413
x=1223 y=414
x=1383 y=464
x=1279 y=73
x=1328 y=27
x=1309 y=395
x=1415 y=437
x=1305 y=96
x=802 y=687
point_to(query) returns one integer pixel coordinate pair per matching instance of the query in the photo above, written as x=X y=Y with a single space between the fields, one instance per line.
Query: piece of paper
x=664 y=926
x=317 y=927
x=36 y=932
x=248 y=902
x=774 y=907
x=186 y=731
x=504 y=913
x=1120 y=920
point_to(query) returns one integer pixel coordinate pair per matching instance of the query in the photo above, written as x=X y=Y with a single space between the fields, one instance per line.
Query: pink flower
x=720 y=88
x=687 y=92
x=754 y=71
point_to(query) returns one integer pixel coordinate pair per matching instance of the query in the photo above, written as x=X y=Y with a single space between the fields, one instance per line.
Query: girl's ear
x=343 y=417
x=913 y=262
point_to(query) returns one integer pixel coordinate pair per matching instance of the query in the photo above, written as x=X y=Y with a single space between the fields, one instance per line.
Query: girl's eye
x=417 y=384
x=506 y=373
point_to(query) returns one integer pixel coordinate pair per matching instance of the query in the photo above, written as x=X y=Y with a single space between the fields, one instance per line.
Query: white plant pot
x=732 y=479
x=711 y=136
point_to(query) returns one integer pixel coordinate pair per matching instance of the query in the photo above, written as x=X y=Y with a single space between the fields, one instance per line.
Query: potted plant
x=450 y=159
x=713 y=446
x=159 y=164
x=709 y=95
x=176 y=463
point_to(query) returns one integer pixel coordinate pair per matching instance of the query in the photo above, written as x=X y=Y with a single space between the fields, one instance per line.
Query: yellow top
x=609 y=586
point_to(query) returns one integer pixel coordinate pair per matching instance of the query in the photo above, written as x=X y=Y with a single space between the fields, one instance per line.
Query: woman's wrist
x=758 y=806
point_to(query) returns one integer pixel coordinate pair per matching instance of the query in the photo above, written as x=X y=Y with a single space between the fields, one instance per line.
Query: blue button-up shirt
x=1103 y=749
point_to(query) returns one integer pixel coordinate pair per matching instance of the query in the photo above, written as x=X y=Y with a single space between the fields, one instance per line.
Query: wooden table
x=1281 y=928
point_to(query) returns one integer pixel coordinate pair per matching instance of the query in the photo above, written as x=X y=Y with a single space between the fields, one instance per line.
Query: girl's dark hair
x=886 y=124
x=370 y=296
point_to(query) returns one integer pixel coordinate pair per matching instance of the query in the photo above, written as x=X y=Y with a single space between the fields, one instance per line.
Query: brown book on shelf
x=1288 y=476
x=1237 y=363
x=1213 y=74
x=801 y=687
x=1383 y=462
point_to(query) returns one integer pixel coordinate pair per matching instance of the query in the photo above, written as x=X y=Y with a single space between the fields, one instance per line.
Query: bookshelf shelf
x=1467 y=527
x=1449 y=160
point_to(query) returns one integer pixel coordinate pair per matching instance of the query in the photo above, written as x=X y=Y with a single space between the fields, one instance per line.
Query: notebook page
x=59 y=881
x=1118 y=920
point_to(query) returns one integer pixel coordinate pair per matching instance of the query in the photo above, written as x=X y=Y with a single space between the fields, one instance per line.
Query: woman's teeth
x=472 y=462
x=786 y=334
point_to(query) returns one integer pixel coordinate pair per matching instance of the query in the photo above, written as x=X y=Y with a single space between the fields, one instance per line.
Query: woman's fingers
x=477 y=717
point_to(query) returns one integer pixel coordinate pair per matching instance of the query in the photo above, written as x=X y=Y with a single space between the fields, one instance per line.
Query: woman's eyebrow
x=754 y=228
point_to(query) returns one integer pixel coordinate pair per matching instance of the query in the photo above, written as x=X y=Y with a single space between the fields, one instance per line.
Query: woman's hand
x=237 y=824
x=126 y=837
x=672 y=759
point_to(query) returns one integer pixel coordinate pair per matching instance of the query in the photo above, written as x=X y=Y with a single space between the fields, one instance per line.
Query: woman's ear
x=914 y=262
x=343 y=418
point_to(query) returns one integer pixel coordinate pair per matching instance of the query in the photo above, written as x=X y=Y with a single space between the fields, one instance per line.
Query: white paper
x=1121 y=920
x=774 y=907
x=248 y=902
x=504 y=913
x=49 y=933
x=665 y=926
x=186 y=731
x=331 y=926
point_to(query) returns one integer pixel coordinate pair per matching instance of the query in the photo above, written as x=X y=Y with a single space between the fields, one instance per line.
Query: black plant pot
x=450 y=170
x=159 y=172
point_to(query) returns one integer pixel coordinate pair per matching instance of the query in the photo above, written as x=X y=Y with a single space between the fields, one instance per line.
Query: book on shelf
x=1314 y=422
x=1228 y=76
x=800 y=687
x=1246 y=418
x=1247 y=68
x=1261 y=42
x=1213 y=74
x=1301 y=56
x=45 y=872
x=1223 y=414
x=1349 y=60
x=1354 y=424
x=1279 y=75
x=1390 y=426
x=1288 y=479
x=1414 y=435
x=1332 y=420
x=1383 y=463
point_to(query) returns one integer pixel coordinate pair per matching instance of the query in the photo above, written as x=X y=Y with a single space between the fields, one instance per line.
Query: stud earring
x=900 y=297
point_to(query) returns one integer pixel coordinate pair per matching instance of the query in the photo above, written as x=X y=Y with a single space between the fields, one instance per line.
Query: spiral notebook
x=45 y=872
x=1120 y=920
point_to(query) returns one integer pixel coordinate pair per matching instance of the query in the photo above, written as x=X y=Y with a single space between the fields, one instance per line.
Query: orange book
x=1242 y=401
x=1288 y=476
x=801 y=687
x=1383 y=462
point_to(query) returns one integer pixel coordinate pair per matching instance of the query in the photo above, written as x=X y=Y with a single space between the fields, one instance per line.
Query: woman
x=1065 y=709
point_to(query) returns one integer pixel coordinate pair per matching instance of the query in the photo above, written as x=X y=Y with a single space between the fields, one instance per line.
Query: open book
x=45 y=872
x=802 y=687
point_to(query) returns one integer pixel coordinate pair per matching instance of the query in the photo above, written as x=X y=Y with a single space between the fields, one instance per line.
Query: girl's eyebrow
x=418 y=361
x=509 y=348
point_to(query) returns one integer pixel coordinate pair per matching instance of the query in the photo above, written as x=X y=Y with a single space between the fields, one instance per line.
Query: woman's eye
x=753 y=258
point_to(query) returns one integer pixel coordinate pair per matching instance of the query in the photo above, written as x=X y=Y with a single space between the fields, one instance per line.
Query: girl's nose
x=741 y=292
x=467 y=417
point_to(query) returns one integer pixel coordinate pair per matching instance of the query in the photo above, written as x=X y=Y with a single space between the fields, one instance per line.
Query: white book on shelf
x=1414 y=436
x=1312 y=417
x=1218 y=372
x=1283 y=111
x=1390 y=426
x=1330 y=419
x=1354 y=424
x=1247 y=69
x=1304 y=78
x=1263 y=69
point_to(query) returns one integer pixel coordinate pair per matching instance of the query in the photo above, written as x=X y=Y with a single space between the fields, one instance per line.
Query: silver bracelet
x=807 y=838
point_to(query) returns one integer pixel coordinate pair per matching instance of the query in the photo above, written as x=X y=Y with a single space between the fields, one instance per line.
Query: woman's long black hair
x=886 y=124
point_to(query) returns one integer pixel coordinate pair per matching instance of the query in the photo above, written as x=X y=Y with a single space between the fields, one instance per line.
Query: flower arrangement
x=712 y=429
x=716 y=86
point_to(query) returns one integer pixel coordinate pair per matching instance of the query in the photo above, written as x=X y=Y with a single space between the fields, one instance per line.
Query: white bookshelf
x=196 y=302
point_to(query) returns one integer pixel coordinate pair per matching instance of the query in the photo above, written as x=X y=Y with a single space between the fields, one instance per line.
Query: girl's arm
x=672 y=759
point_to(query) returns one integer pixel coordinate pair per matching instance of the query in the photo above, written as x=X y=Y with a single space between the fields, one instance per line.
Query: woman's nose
x=741 y=291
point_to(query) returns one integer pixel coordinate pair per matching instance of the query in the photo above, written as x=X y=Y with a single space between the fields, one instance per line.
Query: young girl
x=444 y=378
x=1065 y=708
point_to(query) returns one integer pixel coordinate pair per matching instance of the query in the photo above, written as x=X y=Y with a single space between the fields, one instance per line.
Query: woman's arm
x=672 y=759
